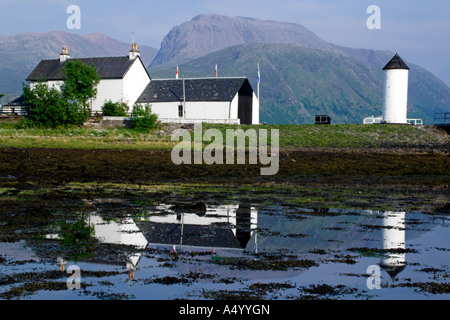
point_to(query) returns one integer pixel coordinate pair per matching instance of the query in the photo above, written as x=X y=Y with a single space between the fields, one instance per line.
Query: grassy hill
x=298 y=83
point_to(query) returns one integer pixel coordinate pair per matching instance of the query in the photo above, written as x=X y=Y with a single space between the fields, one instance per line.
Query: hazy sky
x=418 y=30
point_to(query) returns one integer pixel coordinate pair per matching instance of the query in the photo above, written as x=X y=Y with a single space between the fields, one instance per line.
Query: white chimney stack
x=64 y=55
x=395 y=106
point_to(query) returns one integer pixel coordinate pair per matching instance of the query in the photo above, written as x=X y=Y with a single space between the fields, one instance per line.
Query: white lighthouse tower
x=395 y=91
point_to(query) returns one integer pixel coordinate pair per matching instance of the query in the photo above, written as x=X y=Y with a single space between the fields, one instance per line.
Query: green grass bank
x=335 y=137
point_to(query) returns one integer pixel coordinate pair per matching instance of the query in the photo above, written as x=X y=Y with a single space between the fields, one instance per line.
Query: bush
x=143 y=119
x=114 y=109
x=46 y=107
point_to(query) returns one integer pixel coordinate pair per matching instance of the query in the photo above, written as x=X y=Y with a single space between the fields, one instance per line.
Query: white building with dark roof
x=122 y=78
x=216 y=100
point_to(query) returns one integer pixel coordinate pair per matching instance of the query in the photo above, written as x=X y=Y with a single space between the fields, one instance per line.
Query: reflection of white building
x=228 y=226
x=394 y=259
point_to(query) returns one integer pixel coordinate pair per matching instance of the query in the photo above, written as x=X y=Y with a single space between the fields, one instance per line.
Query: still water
x=239 y=251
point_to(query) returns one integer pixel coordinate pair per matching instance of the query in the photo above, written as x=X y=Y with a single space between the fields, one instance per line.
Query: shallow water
x=239 y=251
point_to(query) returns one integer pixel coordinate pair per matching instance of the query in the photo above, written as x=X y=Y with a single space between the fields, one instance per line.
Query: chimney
x=134 y=53
x=64 y=55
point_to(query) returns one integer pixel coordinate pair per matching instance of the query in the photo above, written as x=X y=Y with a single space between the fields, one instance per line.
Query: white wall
x=234 y=107
x=196 y=110
x=50 y=84
x=135 y=81
x=255 y=112
x=106 y=90
x=110 y=89
x=395 y=96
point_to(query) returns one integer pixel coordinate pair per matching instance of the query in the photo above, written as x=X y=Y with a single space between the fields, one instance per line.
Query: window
x=180 y=111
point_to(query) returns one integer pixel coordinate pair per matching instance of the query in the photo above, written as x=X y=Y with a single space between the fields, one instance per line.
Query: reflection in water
x=394 y=259
x=61 y=263
x=228 y=226
x=122 y=232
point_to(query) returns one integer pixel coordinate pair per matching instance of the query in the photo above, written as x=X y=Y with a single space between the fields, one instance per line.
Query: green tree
x=80 y=83
x=50 y=107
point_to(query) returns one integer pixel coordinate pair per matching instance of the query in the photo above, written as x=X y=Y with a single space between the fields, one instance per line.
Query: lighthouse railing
x=442 y=119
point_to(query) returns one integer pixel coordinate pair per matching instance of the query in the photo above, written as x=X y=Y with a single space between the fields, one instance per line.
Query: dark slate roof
x=204 y=89
x=396 y=63
x=19 y=101
x=107 y=68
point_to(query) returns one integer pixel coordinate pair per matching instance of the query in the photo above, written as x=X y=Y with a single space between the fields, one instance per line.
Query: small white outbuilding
x=210 y=100
x=395 y=107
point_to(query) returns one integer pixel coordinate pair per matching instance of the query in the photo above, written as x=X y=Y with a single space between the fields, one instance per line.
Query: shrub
x=115 y=109
x=143 y=119
x=46 y=107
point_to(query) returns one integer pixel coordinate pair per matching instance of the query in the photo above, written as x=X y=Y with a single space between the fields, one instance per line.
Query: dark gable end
x=107 y=68
x=206 y=89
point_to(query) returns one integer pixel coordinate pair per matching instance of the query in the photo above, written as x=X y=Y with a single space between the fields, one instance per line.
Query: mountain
x=20 y=54
x=302 y=75
x=209 y=33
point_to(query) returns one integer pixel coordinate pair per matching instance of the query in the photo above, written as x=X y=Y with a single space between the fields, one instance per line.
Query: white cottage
x=213 y=100
x=122 y=78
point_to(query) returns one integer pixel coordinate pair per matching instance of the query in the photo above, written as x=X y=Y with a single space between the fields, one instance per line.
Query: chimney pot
x=134 y=53
x=64 y=54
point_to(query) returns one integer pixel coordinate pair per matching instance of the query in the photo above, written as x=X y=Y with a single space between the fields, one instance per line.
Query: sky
x=419 y=30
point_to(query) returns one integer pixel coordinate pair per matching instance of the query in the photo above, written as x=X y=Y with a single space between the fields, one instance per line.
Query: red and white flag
x=176 y=74
x=215 y=72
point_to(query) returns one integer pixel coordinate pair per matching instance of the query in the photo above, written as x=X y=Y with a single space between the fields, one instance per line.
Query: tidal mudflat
x=128 y=225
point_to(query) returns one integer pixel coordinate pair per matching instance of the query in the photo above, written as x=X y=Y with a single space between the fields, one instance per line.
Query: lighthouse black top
x=396 y=63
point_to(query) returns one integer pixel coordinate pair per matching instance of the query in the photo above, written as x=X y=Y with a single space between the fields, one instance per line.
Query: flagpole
x=184 y=99
x=259 y=80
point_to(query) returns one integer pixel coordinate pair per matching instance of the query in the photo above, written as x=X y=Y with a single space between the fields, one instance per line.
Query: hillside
x=20 y=54
x=298 y=83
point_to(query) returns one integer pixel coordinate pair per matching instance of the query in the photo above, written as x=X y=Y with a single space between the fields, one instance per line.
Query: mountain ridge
x=20 y=53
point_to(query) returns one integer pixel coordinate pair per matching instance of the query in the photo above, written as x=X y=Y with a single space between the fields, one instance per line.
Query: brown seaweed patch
x=430 y=287
x=277 y=262
x=325 y=289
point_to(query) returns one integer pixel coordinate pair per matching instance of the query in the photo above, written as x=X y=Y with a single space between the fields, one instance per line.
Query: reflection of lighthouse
x=394 y=259
x=395 y=91
x=123 y=232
